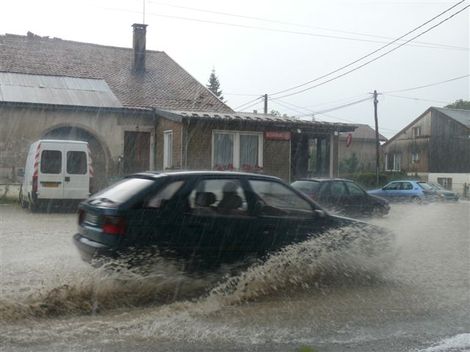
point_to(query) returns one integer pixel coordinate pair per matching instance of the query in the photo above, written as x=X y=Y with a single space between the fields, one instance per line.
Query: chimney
x=140 y=31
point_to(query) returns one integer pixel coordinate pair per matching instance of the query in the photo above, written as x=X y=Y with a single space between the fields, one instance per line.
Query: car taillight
x=81 y=216
x=35 y=184
x=114 y=225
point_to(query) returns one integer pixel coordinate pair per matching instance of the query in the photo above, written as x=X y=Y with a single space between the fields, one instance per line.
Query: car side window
x=354 y=190
x=406 y=186
x=275 y=199
x=337 y=189
x=164 y=194
x=392 y=186
x=218 y=196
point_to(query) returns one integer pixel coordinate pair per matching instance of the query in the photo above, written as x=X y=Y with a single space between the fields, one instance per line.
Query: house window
x=392 y=162
x=414 y=157
x=416 y=131
x=445 y=182
x=167 y=149
x=237 y=150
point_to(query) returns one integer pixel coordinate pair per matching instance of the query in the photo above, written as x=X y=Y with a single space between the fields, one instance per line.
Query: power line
x=338 y=107
x=242 y=95
x=430 y=45
x=427 y=85
x=252 y=102
x=418 y=99
x=367 y=62
x=371 y=53
x=287 y=107
x=365 y=56
x=355 y=122
x=423 y=44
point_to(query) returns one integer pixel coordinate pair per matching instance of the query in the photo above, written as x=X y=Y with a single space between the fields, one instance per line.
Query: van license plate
x=50 y=184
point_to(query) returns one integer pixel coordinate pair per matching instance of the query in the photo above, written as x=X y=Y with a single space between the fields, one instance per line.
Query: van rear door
x=50 y=173
x=77 y=173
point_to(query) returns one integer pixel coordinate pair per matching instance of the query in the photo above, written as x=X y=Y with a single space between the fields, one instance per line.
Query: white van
x=56 y=170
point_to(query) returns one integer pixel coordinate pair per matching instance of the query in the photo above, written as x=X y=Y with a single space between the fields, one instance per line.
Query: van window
x=51 y=162
x=76 y=163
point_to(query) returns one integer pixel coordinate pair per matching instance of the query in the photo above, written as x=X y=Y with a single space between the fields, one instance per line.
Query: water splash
x=343 y=255
x=111 y=286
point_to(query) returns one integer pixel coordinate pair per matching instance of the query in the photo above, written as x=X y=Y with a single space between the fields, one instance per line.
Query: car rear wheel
x=33 y=206
x=379 y=212
x=23 y=202
x=416 y=200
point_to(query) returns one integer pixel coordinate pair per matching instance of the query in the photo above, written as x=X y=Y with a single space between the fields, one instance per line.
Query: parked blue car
x=406 y=190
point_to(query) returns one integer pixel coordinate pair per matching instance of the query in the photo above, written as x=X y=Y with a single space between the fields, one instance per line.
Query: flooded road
x=300 y=298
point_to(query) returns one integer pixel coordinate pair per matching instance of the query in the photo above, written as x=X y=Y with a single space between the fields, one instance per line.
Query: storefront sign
x=277 y=136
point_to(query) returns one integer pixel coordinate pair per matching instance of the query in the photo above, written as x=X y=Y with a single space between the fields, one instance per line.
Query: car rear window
x=51 y=162
x=76 y=163
x=122 y=190
x=307 y=186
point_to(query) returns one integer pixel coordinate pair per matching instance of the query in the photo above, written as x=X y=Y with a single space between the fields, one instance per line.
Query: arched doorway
x=98 y=151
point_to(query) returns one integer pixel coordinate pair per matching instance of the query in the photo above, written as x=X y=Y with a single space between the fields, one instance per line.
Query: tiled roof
x=462 y=116
x=364 y=132
x=164 y=85
x=253 y=118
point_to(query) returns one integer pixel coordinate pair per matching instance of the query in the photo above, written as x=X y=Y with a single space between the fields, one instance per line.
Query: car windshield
x=309 y=187
x=437 y=186
x=425 y=186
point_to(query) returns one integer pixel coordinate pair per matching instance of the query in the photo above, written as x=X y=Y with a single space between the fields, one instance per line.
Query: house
x=140 y=110
x=286 y=147
x=54 y=88
x=436 y=142
x=357 y=149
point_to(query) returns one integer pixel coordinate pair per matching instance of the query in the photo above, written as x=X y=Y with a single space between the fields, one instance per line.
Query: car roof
x=405 y=180
x=158 y=174
x=315 y=179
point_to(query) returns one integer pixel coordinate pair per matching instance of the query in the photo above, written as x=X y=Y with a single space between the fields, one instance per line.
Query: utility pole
x=377 y=142
x=265 y=104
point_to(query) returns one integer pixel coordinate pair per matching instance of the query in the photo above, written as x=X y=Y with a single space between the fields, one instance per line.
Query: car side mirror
x=320 y=213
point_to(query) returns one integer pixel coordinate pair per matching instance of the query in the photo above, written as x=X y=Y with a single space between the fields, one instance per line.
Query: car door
x=157 y=219
x=357 y=201
x=405 y=191
x=282 y=216
x=76 y=173
x=390 y=191
x=215 y=227
x=336 y=197
x=51 y=173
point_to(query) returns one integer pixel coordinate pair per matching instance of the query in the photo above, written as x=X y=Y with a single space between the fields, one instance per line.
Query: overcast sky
x=267 y=46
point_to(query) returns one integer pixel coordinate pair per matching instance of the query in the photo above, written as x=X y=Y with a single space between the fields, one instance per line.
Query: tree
x=214 y=85
x=350 y=165
x=277 y=113
x=459 y=104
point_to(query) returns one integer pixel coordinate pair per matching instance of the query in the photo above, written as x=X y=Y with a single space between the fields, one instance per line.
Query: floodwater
x=303 y=299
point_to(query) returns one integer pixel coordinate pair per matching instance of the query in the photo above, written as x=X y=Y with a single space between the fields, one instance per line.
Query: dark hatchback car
x=343 y=196
x=444 y=194
x=217 y=217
